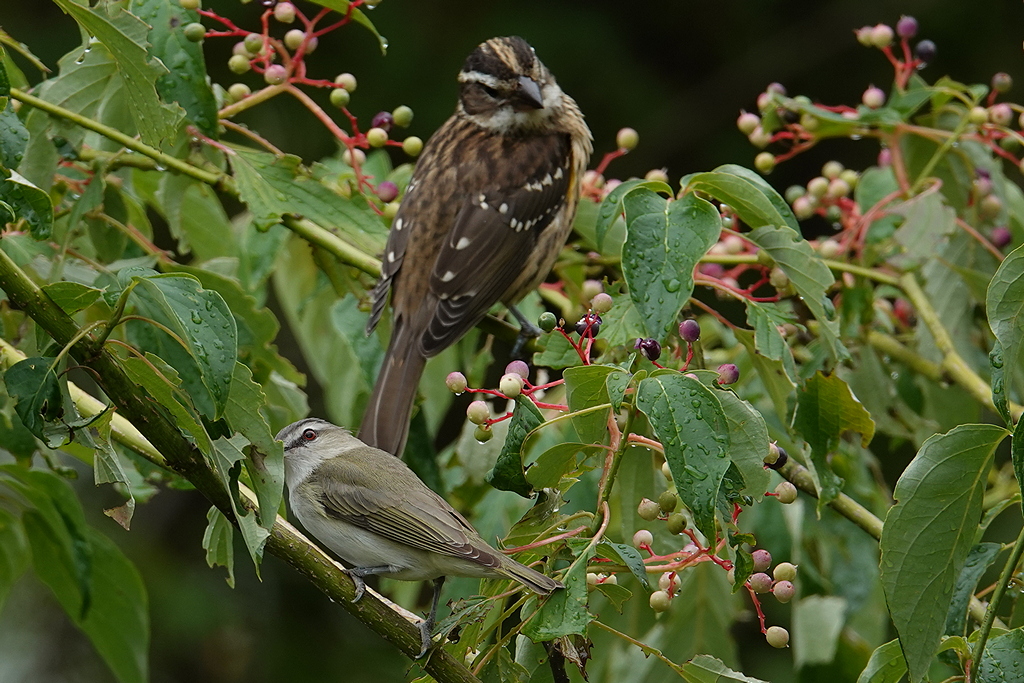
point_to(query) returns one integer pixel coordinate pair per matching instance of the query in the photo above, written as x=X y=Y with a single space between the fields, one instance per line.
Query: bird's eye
x=309 y=435
x=491 y=92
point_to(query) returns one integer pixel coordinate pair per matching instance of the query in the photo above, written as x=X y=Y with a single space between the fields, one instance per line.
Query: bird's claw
x=359 y=583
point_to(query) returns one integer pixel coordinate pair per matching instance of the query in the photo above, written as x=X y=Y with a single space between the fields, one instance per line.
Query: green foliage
x=157 y=229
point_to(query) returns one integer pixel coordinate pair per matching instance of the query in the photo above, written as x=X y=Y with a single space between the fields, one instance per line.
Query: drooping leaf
x=664 y=242
x=825 y=409
x=627 y=555
x=751 y=197
x=218 y=541
x=708 y=669
x=688 y=420
x=551 y=465
x=765 y=319
x=34 y=386
x=885 y=666
x=508 y=474
x=203 y=321
x=977 y=563
x=13 y=137
x=71 y=296
x=124 y=35
x=809 y=275
x=1005 y=307
x=28 y=203
x=107 y=468
x=564 y=612
x=227 y=463
x=929 y=532
x=163 y=384
x=748 y=441
x=817 y=622
x=344 y=8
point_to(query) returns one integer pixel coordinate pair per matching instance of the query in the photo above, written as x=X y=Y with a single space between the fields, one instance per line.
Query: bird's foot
x=527 y=332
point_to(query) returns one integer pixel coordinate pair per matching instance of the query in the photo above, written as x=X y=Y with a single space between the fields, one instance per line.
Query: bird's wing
x=494 y=234
x=404 y=511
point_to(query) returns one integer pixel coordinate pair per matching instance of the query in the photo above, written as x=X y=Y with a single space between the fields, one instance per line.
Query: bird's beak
x=529 y=93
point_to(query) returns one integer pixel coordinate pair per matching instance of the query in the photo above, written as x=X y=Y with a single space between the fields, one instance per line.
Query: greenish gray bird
x=371 y=510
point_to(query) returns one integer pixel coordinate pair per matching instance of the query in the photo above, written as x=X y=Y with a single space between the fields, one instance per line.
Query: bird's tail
x=534 y=580
x=386 y=420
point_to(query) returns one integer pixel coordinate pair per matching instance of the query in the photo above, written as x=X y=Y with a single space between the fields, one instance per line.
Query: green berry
x=602 y=303
x=511 y=385
x=657 y=174
x=627 y=138
x=786 y=492
x=391 y=210
x=402 y=116
x=794 y=192
x=817 y=187
x=978 y=115
x=412 y=146
x=667 y=501
x=354 y=157
x=340 y=97
x=784 y=571
x=676 y=523
x=239 y=91
x=747 y=122
x=831 y=169
x=377 y=137
x=193 y=4
x=881 y=36
x=648 y=510
x=765 y=162
x=239 y=64
x=829 y=249
x=293 y=39
x=777 y=636
x=194 y=32
x=547 y=321
x=759 y=137
x=660 y=601
x=483 y=433
x=850 y=176
x=284 y=12
x=478 y=412
x=346 y=81
x=253 y=43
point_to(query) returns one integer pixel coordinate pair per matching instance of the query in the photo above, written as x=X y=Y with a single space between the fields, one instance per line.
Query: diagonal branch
x=162 y=439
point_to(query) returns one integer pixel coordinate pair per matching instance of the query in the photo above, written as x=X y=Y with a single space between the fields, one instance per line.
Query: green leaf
x=124 y=35
x=107 y=468
x=185 y=83
x=13 y=137
x=876 y=184
x=977 y=563
x=611 y=206
x=708 y=669
x=71 y=296
x=265 y=462
x=1003 y=659
x=585 y=387
x=810 y=277
x=508 y=474
x=616 y=594
x=1005 y=307
x=664 y=242
x=163 y=384
x=227 y=459
x=885 y=666
x=273 y=186
x=687 y=418
x=825 y=409
x=556 y=462
x=195 y=216
x=765 y=319
x=34 y=386
x=14 y=553
x=218 y=541
x=754 y=200
x=502 y=668
x=203 y=321
x=1017 y=455
x=344 y=7
x=565 y=611
x=748 y=441
x=28 y=202
x=558 y=353
x=928 y=221
x=627 y=555
x=817 y=622
x=929 y=532
x=774 y=374
x=622 y=324
x=997 y=367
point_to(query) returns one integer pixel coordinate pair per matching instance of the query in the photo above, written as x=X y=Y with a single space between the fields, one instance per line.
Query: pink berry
x=760 y=582
x=873 y=97
x=728 y=374
x=762 y=559
x=689 y=330
x=747 y=122
x=387 y=191
x=783 y=591
x=456 y=382
x=642 y=538
x=906 y=27
x=1000 y=237
x=275 y=74
x=518 y=367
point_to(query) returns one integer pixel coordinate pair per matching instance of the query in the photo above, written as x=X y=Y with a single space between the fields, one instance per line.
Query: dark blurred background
x=679 y=72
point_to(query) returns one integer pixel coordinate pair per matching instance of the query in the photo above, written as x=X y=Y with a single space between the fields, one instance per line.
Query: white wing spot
x=442 y=296
x=398 y=224
x=448 y=276
x=391 y=257
x=481 y=198
x=483 y=205
x=547 y=180
x=463 y=243
x=514 y=224
x=503 y=209
x=558 y=174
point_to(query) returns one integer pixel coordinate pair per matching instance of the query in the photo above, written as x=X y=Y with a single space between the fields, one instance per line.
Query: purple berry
x=1000 y=237
x=906 y=27
x=728 y=374
x=714 y=270
x=387 y=191
x=650 y=348
x=762 y=559
x=885 y=157
x=383 y=119
x=588 y=325
x=689 y=331
x=760 y=582
x=518 y=367
x=925 y=51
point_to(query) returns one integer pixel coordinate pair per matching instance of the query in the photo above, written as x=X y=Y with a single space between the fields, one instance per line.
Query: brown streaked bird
x=371 y=510
x=489 y=206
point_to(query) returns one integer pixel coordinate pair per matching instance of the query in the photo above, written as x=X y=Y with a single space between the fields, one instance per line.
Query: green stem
x=115 y=319
x=342 y=250
x=162 y=159
x=841 y=266
x=997 y=596
x=946 y=145
x=646 y=649
x=608 y=479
